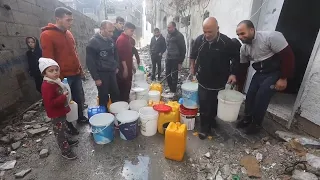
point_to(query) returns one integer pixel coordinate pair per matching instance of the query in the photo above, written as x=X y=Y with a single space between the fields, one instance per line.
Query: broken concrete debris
x=259 y=157
x=44 y=153
x=305 y=141
x=313 y=160
x=301 y=175
x=34 y=132
x=8 y=165
x=22 y=173
x=208 y=155
x=252 y=166
x=28 y=115
x=16 y=145
x=6 y=139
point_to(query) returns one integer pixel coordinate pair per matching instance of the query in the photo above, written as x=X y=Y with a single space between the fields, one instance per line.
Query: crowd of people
x=215 y=60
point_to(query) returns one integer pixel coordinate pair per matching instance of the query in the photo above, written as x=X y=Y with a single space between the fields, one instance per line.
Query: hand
x=192 y=70
x=232 y=79
x=117 y=70
x=98 y=82
x=281 y=85
x=66 y=93
x=179 y=67
x=125 y=74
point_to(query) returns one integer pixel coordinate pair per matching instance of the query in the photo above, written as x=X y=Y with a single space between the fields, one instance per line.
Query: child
x=55 y=99
x=33 y=55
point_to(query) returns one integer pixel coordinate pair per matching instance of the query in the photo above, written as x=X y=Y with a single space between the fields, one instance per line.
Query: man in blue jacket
x=102 y=62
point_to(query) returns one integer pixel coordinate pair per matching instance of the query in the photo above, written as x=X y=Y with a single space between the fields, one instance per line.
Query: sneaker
x=244 y=122
x=85 y=106
x=83 y=119
x=73 y=142
x=69 y=155
x=73 y=132
x=252 y=129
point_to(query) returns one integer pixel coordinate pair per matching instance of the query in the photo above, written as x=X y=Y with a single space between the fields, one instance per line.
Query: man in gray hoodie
x=102 y=62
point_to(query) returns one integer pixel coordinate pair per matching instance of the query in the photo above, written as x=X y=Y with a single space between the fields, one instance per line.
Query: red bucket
x=188 y=116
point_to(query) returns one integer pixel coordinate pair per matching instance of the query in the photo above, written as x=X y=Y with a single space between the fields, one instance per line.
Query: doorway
x=300 y=25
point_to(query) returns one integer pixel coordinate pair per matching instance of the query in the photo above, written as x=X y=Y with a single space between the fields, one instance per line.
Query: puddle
x=136 y=170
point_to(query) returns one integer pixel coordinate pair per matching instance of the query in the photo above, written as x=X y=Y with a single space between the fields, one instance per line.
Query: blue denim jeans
x=75 y=84
x=259 y=95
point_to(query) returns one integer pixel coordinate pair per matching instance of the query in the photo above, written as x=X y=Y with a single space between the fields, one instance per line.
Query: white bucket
x=132 y=96
x=72 y=116
x=137 y=104
x=229 y=103
x=118 y=107
x=139 y=76
x=141 y=88
x=190 y=95
x=154 y=96
x=149 y=121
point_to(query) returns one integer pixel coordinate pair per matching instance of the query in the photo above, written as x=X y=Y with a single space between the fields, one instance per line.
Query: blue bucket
x=190 y=95
x=102 y=128
x=96 y=110
x=128 y=124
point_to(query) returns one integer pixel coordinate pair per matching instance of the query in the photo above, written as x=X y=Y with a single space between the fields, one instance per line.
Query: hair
x=129 y=25
x=61 y=11
x=173 y=24
x=104 y=23
x=156 y=30
x=119 y=19
x=248 y=23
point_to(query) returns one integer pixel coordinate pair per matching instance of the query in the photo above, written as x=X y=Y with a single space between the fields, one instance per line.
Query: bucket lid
x=102 y=119
x=138 y=89
x=127 y=116
x=190 y=86
x=162 y=108
x=117 y=107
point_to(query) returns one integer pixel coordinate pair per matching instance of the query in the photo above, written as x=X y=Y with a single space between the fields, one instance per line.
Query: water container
x=96 y=110
x=173 y=115
x=102 y=128
x=73 y=114
x=175 y=141
x=229 y=103
x=190 y=95
x=137 y=104
x=128 y=124
x=188 y=117
x=156 y=87
x=118 y=107
x=139 y=76
x=66 y=84
x=149 y=120
x=154 y=96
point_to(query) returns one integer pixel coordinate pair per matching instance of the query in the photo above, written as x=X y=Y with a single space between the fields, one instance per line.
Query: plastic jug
x=171 y=116
x=66 y=84
x=175 y=141
x=109 y=102
x=156 y=87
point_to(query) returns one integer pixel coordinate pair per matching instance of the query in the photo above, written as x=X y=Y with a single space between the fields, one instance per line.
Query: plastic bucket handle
x=97 y=132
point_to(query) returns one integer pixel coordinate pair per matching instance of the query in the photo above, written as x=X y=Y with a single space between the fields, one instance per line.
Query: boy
x=56 y=100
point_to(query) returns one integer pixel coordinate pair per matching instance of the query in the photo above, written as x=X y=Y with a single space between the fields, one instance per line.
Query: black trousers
x=38 y=81
x=109 y=86
x=156 y=61
x=172 y=73
x=208 y=101
x=259 y=95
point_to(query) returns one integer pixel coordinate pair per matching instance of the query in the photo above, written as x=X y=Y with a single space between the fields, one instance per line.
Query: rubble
x=251 y=165
x=16 y=145
x=208 y=155
x=34 y=132
x=36 y=126
x=2 y=151
x=22 y=173
x=6 y=139
x=313 y=160
x=8 y=165
x=259 y=157
x=44 y=153
x=28 y=115
x=2 y=175
x=301 y=175
x=305 y=141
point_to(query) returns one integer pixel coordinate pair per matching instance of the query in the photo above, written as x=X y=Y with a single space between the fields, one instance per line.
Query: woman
x=34 y=54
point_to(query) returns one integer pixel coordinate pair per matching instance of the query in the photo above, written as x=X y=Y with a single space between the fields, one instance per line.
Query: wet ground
x=143 y=157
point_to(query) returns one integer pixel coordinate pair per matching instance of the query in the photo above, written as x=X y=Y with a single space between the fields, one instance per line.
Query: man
x=102 y=62
x=119 y=28
x=124 y=48
x=58 y=43
x=176 y=51
x=210 y=61
x=273 y=61
x=157 y=48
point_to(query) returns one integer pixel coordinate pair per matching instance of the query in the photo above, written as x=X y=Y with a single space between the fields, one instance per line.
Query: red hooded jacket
x=60 y=46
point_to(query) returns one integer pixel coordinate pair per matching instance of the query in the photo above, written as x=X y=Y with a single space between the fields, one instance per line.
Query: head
x=106 y=28
x=119 y=23
x=63 y=18
x=129 y=29
x=246 y=31
x=172 y=27
x=49 y=68
x=156 y=32
x=210 y=28
x=31 y=42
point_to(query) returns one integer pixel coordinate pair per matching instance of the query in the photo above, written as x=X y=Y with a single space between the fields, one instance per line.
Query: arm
x=91 y=58
x=49 y=96
x=136 y=54
x=122 y=47
x=193 y=56
x=182 y=47
x=47 y=46
x=287 y=62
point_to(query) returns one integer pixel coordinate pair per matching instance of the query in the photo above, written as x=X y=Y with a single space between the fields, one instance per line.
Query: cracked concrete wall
x=25 y=18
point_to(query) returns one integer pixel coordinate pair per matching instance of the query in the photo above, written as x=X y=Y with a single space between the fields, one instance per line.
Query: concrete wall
x=25 y=18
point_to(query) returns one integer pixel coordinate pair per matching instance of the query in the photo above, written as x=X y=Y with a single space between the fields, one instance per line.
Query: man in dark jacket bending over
x=210 y=60
x=176 y=51
x=273 y=61
x=157 y=48
x=102 y=62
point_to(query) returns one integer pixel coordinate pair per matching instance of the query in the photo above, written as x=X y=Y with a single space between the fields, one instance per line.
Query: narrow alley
x=142 y=158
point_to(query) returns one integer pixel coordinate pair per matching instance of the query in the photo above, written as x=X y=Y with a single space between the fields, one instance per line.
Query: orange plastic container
x=156 y=87
x=172 y=116
x=109 y=102
x=175 y=141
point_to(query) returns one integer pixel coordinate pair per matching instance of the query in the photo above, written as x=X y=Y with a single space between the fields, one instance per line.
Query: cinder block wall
x=19 y=19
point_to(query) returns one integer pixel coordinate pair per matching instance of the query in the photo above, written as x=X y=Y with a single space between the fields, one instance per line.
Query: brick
x=6 y=15
x=25 y=7
x=3 y=29
x=15 y=29
x=20 y=18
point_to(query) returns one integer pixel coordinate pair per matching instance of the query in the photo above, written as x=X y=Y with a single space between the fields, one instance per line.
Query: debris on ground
x=22 y=173
x=44 y=153
x=16 y=145
x=305 y=141
x=294 y=145
x=207 y=155
x=34 y=132
x=252 y=166
x=302 y=175
x=8 y=165
x=313 y=160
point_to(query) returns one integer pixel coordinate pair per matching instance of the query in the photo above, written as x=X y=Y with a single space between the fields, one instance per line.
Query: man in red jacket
x=126 y=62
x=58 y=43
